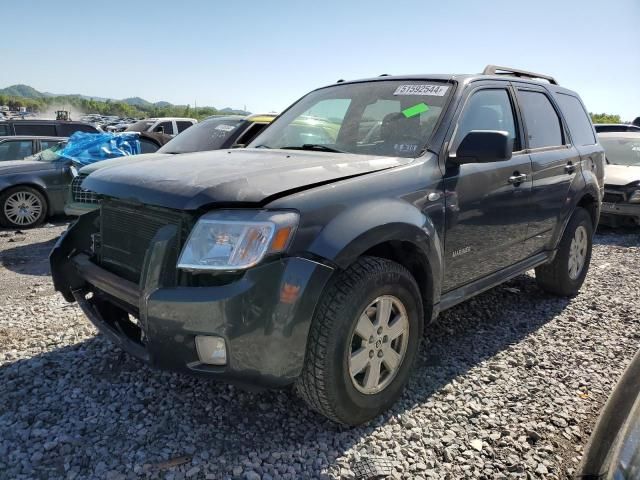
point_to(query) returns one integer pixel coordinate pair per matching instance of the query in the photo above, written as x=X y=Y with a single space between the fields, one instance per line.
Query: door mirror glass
x=482 y=146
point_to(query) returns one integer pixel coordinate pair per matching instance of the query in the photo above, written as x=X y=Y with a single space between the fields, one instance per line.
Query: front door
x=486 y=203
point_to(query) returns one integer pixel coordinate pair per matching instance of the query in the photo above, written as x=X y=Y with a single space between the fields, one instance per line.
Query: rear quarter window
x=577 y=119
x=4 y=130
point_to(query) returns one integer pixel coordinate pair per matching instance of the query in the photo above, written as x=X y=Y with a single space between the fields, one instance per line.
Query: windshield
x=389 y=118
x=622 y=150
x=206 y=135
x=140 y=126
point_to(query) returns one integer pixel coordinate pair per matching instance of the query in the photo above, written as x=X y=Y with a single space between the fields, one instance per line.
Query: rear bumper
x=264 y=316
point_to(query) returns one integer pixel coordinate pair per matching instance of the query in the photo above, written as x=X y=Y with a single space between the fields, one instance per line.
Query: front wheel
x=22 y=207
x=566 y=273
x=363 y=341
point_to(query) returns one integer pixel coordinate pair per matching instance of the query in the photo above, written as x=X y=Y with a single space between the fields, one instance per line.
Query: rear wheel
x=565 y=275
x=22 y=207
x=363 y=341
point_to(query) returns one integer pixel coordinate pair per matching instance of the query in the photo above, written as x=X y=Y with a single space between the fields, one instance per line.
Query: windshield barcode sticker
x=433 y=90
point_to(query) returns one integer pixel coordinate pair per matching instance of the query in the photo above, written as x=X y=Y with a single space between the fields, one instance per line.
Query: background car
x=613 y=451
x=169 y=125
x=21 y=146
x=615 y=127
x=212 y=133
x=621 y=202
x=35 y=188
x=52 y=128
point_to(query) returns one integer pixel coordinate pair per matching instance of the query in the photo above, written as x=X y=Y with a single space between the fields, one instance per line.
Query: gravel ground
x=508 y=385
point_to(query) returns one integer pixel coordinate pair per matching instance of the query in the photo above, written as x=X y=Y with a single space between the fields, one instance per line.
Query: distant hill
x=231 y=111
x=23 y=91
x=26 y=91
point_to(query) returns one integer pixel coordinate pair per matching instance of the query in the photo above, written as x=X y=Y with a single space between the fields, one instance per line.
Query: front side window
x=68 y=129
x=44 y=144
x=577 y=119
x=388 y=118
x=203 y=136
x=15 y=149
x=488 y=110
x=164 y=127
x=622 y=149
x=540 y=120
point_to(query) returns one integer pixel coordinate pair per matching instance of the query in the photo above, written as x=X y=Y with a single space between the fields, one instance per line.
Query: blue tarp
x=86 y=148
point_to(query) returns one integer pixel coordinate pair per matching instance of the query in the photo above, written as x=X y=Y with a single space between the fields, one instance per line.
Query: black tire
x=5 y=221
x=554 y=277
x=325 y=383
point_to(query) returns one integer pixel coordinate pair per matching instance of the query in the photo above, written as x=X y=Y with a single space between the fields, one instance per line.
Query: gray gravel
x=508 y=385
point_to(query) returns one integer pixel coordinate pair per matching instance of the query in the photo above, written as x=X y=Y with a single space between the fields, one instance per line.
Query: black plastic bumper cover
x=264 y=316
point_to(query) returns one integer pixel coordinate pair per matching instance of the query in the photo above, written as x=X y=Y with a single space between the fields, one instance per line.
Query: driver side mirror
x=483 y=146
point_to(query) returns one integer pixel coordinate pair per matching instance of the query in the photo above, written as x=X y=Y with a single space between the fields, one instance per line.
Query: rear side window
x=68 y=129
x=182 y=125
x=45 y=129
x=4 y=130
x=577 y=118
x=540 y=119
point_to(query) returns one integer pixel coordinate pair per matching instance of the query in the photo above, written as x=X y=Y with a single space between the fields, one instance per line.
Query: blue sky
x=265 y=55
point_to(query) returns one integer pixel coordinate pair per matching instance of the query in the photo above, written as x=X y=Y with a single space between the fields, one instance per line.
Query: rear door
x=554 y=162
x=486 y=203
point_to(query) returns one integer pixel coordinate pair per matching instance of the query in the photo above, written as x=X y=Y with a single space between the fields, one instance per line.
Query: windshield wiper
x=314 y=146
x=261 y=146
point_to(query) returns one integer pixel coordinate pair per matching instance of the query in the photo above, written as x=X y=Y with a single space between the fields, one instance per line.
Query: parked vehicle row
x=316 y=256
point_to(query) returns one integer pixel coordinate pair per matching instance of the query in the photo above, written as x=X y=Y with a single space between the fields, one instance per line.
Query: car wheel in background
x=363 y=341
x=22 y=207
x=566 y=273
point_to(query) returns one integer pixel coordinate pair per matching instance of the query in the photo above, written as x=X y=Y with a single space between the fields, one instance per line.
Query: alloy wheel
x=378 y=344
x=23 y=208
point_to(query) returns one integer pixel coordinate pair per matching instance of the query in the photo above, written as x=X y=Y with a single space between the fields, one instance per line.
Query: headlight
x=236 y=239
x=634 y=197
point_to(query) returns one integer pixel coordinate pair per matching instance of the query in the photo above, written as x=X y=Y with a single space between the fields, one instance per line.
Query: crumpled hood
x=191 y=180
x=126 y=160
x=621 y=175
x=24 y=166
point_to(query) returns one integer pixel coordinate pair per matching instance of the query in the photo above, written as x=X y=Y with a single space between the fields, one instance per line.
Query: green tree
x=604 y=118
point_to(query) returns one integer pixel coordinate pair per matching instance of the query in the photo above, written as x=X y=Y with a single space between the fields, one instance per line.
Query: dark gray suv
x=316 y=256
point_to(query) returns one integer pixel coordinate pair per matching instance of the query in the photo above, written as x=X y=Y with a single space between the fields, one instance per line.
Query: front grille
x=81 y=195
x=612 y=196
x=126 y=233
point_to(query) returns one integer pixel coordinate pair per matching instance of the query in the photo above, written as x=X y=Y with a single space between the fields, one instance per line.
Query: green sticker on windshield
x=415 y=110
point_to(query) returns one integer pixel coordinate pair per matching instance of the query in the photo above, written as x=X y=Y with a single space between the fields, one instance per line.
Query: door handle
x=569 y=168
x=517 y=178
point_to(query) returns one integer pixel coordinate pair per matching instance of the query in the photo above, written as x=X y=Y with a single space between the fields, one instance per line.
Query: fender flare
x=365 y=226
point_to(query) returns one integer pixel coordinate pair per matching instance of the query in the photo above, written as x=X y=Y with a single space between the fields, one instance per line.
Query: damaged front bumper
x=263 y=315
x=615 y=214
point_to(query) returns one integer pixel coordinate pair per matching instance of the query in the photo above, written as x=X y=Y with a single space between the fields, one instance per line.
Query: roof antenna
x=384 y=75
x=340 y=81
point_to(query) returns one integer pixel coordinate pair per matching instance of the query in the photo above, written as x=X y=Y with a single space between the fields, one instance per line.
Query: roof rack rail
x=497 y=70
